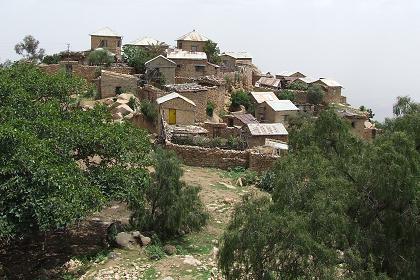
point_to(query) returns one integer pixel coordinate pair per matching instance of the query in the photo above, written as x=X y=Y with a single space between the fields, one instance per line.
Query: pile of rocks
x=129 y=240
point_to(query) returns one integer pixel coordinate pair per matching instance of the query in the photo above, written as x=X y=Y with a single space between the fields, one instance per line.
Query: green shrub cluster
x=149 y=110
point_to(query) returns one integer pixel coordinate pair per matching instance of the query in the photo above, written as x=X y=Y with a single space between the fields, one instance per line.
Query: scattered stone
x=228 y=200
x=125 y=240
x=124 y=109
x=191 y=260
x=72 y=265
x=168 y=278
x=112 y=255
x=215 y=252
x=145 y=240
x=169 y=249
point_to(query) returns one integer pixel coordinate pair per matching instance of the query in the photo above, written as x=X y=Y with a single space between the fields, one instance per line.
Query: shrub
x=170 y=207
x=239 y=98
x=100 y=57
x=51 y=59
x=210 y=109
x=149 y=110
x=298 y=85
x=315 y=94
x=132 y=103
x=266 y=182
x=286 y=95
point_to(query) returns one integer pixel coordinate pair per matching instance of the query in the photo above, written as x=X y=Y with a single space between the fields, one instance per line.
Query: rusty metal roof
x=271 y=82
x=266 y=129
x=245 y=118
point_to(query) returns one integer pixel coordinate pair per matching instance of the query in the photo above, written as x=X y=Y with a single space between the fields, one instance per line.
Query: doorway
x=172 y=116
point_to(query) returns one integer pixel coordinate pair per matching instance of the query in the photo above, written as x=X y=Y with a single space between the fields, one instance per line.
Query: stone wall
x=223 y=159
x=221 y=130
x=111 y=81
x=187 y=45
x=190 y=68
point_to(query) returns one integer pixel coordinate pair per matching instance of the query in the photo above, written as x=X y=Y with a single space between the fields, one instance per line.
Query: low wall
x=223 y=159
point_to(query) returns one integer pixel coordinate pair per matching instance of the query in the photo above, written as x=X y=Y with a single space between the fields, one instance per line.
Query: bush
x=315 y=94
x=210 y=109
x=149 y=110
x=247 y=176
x=266 y=182
x=286 y=95
x=132 y=103
x=239 y=98
x=170 y=207
x=100 y=57
x=51 y=59
x=298 y=85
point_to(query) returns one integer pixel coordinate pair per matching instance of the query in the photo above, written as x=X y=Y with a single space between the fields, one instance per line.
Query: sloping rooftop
x=330 y=83
x=282 y=105
x=267 y=81
x=289 y=73
x=307 y=80
x=187 y=87
x=146 y=41
x=193 y=36
x=276 y=144
x=261 y=97
x=105 y=32
x=162 y=57
x=245 y=118
x=238 y=55
x=171 y=96
x=266 y=129
x=180 y=54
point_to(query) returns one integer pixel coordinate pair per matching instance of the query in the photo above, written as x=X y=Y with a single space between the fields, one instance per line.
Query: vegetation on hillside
x=340 y=208
x=213 y=52
x=239 y=98
x=136 y=57
x=100 y=57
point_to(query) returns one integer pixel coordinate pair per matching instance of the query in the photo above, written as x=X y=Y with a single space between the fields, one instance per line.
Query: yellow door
x=172 y=116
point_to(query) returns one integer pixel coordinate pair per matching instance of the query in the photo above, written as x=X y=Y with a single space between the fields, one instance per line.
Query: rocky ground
x=193 y=257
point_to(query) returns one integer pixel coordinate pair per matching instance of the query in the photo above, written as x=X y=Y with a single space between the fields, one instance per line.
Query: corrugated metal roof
x=289 y=73
x=180 y=54
x=306 y=80
x=276 y=144
x=106 y=32
x=159 y=56
x=261 y=97
x=330 y=83
x=238 y=55
x=171 y=96
x=146 y=41
x=193 y=36
x=282 y=105
x=245 y=118
x=263 y=129
x=271 y=82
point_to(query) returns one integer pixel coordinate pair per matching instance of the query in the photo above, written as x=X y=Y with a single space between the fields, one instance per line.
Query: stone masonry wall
x=261 y=162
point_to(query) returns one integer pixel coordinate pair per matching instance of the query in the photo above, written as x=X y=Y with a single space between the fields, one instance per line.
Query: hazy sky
x=372 y=47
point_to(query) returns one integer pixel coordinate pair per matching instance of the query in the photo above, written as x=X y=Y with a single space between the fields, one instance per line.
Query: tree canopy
x=57 y=162
x=213 y=52
x=100 y=57
x=315 y=94
x=29 y=49
x=339 y=208
x=136 y=56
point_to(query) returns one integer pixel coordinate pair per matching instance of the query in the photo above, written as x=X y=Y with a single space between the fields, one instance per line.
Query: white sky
x=372 y=47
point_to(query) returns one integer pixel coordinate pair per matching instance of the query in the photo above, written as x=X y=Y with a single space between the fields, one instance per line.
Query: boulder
x=117 y=116
x=125 y=96
x=169 y=250
x=145 y=240
x=112 y=231
x=191 y=260
x=108 y=101
x=124 y=109
x=125 y=240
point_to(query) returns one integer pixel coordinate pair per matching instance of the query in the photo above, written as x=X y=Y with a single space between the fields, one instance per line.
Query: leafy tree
x=210 y=108
x=170 y=206
x=28 y=48
x=57 y=162
x=369 y=111
x=286 y=95
x=340 y=209
x=298 y=85
x=239 y=98
x=213 y=52
x=52 y=59
x=100 y=57
x=136 y=57
x=149 y=110
x=315 y=94
x=405 y=105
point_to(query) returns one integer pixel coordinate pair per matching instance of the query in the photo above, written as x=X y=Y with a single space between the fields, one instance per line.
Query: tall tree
x=212 y=51
x=404 y=105
x=29 y=49
x=315 y=94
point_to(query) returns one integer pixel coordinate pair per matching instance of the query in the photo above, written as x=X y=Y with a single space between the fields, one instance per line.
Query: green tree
x=52 y=59
x=100 y=57
x=149 y=110
x=340 y=209
x=315 y=94
x=210 y=108
x=286 y=95
x=405 y=105
x=212 y=51
x=170 y=207
x=28 y=48
x=369 y=111
x=57 y=162
x=136 y=57
x=239 y=98
x=298 y=85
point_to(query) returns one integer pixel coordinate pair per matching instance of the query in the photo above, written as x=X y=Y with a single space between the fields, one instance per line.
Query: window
x=119 y=43
x=103 y=44
x=353 y=124
x=118 y=90
x=194 y=48
x=179 y=45
x=199 y=68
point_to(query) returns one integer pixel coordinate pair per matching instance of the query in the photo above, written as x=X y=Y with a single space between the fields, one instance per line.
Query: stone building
x=230 y=60
x=165 y=66
x=259 y=98
x=290 y=74
x=192 y=64
x=147 y=43
x=359 y=122
x=108 y=39
x=268 y=82
x=279 y=111
x=332 y=91
x=112 y=84
x=256 y=134
x=176 y=109
x=192 y=42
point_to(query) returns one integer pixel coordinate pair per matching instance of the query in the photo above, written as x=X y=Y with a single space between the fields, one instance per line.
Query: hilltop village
x=214 y=109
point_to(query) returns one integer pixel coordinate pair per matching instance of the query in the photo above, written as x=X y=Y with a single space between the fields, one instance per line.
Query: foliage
x=52 y=59
x=28 y=48
x=133 y=104
x=57 y=162
x=369 y=111
x=286 y=95
x=170 y=207
x=149 y=110
x=7 y=63
x=340 y=209
x=315 y=94
x=100 y=57
x=210 y=108
x=247 y=176
x=212 y=51
x=298 y=85
x=405 y=105
x=155 y=252
x=267 y=181
x=136 y=57
x=239 y=98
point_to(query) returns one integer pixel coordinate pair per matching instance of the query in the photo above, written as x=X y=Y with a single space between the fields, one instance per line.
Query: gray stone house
x=165 y=66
